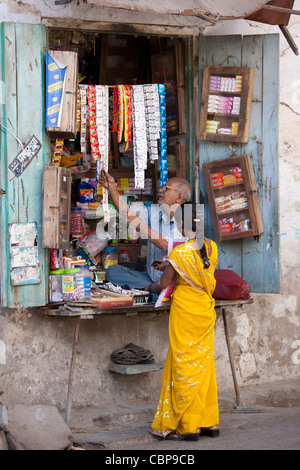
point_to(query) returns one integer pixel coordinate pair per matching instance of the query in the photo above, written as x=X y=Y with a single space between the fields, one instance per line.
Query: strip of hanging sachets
x=163 y=162
x=114 y=125
x=152 y=118
x=102 y=127
x=120 y=113
x=139 y=135
x=92 y=122
x=78 y=111
x=127 y=114
x=83 y=118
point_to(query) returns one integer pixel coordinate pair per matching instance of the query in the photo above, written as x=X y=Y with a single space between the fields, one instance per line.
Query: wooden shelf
x=252 y=213
x=243 y=118
x=223 y=115
x=233 y=211
x=229 y=93
x=227 y=186
x=126 y=369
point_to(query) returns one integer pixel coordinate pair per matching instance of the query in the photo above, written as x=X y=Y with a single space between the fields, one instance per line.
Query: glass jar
x=76 y=221
x=109 y=257
x=66 y=285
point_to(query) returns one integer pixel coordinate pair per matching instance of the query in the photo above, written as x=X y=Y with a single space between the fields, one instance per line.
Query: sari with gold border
x=188 y=397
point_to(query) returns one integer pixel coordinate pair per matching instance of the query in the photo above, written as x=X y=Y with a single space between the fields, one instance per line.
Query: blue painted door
x=256 y=261
x=22 y=50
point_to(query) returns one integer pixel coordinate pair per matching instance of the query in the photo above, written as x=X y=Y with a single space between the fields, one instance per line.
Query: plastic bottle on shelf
x=84 y=278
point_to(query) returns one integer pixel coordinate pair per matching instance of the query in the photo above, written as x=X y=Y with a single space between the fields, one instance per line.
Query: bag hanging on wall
x=230 y=286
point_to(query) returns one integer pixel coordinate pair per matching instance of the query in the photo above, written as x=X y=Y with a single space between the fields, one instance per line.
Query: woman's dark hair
x=188 y=219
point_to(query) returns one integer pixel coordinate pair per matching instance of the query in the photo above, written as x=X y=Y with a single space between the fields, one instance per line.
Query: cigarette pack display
x=233 y=197
x=227 y=96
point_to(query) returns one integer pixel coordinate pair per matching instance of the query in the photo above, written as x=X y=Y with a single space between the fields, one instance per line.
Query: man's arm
x=108 y=182
x=154 y=237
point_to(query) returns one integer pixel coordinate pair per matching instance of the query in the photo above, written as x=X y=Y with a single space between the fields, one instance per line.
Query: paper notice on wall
x=24 y=259
x=55 y=79
x=24 y=158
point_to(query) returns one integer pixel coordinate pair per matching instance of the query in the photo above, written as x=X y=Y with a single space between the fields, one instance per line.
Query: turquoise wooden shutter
x=256 y=261
x=22 y=48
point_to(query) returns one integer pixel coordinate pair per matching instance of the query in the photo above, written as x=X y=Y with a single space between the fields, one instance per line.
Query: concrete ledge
x=127 y=369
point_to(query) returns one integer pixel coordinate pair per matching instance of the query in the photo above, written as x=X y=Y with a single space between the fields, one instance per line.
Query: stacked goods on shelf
x=234 y=128
x=139 y=296
x=171 y=162
x=216 y=180
x=126 y=186
x=225 y=84
x=223 y=104
x=212 y=127
x=234 y=177
x=228 y=225
x=231 y=203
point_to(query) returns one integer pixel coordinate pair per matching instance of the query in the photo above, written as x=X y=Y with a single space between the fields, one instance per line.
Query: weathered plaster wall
x=35 y=351
x=42 y=11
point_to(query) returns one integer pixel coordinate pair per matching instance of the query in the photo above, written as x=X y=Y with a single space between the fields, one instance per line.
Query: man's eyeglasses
x=165 y=187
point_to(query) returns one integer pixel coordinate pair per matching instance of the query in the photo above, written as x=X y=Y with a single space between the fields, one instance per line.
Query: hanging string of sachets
x=139 y=132
x=163 y=162
x=94 y=114
x=139 y=116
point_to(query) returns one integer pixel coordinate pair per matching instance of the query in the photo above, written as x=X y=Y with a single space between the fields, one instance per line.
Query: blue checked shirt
x=157 y=220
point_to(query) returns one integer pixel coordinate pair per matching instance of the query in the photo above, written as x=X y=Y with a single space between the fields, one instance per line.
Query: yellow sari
x=188 y=398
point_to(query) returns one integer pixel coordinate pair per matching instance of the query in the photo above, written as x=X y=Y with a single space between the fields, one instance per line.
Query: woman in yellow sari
x=188 y=403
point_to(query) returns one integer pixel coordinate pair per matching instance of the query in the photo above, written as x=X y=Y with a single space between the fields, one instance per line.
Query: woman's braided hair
x=190 y=223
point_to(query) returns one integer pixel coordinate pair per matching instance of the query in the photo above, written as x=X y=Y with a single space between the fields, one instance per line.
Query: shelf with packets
x=233 y=198
x=226 y=103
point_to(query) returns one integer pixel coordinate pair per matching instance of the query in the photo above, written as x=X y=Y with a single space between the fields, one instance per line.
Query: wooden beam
x=199 y=14
x=281 y=10
x=289 y=39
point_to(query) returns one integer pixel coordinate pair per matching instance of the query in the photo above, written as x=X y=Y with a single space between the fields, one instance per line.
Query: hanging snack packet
x=59 y=144
x=92 y=244
x=86 y=192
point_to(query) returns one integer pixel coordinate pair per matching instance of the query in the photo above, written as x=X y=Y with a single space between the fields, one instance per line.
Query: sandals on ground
x=209 y=432
x=175 y=436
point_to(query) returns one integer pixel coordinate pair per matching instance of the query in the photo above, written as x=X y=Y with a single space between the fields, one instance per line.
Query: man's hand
x=106 y=179
x=160 y=265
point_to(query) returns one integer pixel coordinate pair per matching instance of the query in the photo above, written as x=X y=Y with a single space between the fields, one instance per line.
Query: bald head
x=183 y=186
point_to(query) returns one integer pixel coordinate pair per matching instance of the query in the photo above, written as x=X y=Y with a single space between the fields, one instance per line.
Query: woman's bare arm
x=167 y=276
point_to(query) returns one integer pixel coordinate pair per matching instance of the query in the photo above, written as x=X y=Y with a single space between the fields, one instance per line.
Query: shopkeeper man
x=159 y=228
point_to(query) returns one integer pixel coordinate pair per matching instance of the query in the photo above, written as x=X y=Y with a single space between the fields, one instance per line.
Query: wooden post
x=235 y=383
x=72 y=370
